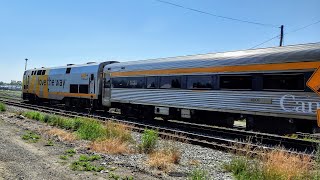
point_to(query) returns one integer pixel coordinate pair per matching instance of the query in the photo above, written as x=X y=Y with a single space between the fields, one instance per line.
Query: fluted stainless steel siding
x=297 y=53
x=225 y=101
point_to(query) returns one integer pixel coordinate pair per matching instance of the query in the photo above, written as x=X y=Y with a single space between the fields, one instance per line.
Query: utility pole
x=281 y=35
x=25 y=67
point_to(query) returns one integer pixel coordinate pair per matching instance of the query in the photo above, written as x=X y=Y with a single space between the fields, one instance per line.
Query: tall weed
x=2 y=107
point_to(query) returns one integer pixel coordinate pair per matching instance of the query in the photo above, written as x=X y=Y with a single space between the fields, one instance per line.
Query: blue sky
x=54 y=33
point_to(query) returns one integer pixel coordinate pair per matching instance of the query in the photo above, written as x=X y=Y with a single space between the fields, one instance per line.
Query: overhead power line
x=298 y=29
x=218 y=16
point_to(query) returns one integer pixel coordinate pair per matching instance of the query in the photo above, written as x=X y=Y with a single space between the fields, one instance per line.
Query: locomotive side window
x=83 y=88
x=74 y=88
x=152 y=82
x=167 y=82
x=235 y=82
x=43 y=72
x=39 y=72
x=199 y=82
x=283 y=82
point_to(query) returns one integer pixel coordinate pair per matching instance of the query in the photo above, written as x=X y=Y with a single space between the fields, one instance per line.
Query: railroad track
x=225 y=139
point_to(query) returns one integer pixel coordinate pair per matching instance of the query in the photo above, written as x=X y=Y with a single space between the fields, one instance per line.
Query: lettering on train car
x=290 y=103
x=257 y=100
x=52 y=82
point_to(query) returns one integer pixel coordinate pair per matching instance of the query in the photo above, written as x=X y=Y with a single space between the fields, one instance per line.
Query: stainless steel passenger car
x=266 y=86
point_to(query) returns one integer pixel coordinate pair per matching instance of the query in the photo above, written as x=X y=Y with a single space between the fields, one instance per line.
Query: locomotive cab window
x=199 y=82
x=39 y=72
x=167 y=82
x=68 y=70
x=286 y=81
x=43 y=72
x=242 y=82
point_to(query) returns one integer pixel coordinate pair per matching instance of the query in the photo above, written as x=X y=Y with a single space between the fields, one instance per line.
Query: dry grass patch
x=61 y=134
x=164 y=159
x=274 y=164
x=110 y=146
x=288 y=166
x=118 y=130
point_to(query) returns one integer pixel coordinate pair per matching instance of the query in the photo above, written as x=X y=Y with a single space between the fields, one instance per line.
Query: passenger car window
x=167 y=82
x=128 y=82
x=152 y=82
x=199 y=82
x=236 y=82
x=284 y=81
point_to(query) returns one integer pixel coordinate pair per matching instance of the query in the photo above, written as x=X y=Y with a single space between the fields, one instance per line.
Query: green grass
x=63 y=157
x=87 y=129
x=2 y=107
x=31 y=137
x=198 y=174
x=84 y=164
x=84 y=128
x=34 y=115
x=91 y=130
x=243 y=169
x=149 y=140
x=70 y=152
x=89 y=158
x=49 y=143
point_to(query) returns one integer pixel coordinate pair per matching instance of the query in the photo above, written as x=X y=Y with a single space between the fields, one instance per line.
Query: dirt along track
x=21 y=160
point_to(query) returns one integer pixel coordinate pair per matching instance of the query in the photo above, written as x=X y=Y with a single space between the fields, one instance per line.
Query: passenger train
x=266 y=86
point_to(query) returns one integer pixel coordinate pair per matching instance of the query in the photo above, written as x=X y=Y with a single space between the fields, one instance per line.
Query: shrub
x=91 y=130
x=2 y=107
x=149 y=140
x=198 y=174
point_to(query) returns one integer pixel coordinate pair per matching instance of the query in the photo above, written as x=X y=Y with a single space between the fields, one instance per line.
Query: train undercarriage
x=266 y=124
